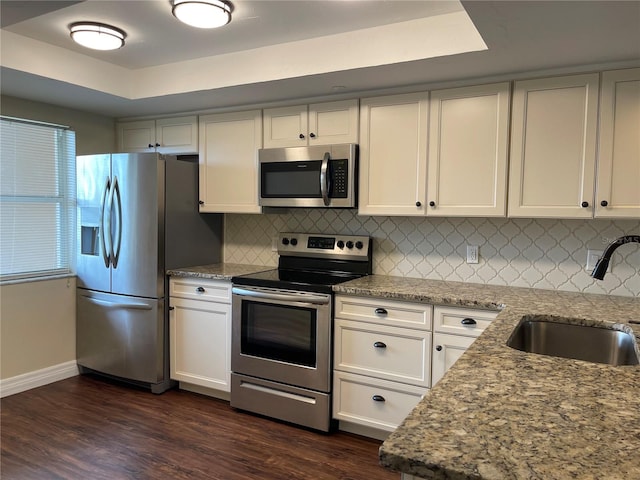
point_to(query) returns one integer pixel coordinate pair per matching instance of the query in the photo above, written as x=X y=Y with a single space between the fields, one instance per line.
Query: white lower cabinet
x=382 y=361
x=455 y=329
x=373 y=402
x=200 y=332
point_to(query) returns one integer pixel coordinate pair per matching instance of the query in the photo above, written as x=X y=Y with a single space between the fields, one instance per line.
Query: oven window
x=291 y=179
x=278 y=332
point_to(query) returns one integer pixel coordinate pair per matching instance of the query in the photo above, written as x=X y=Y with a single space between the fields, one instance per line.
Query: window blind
x=37 y=199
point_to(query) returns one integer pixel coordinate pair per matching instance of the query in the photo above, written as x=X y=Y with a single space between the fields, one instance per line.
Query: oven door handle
x=306 y=298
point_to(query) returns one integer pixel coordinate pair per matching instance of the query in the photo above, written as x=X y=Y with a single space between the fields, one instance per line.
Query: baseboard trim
x=37 y=378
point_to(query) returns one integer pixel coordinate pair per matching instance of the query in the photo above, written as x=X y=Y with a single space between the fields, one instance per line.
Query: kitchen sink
x=581 y=342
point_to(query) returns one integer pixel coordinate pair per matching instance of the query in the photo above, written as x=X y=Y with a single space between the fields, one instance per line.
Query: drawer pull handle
x=381 y=311
x=378 y=398
x=200 y=289
x=380 y=345
x=439 y=348
x=468 y=321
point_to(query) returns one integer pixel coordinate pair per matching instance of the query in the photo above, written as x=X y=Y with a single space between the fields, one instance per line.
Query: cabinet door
x=177 y=135
x=333 y=122
x=285 y=127
x=618 y=187
x=136 y=136
x=468 y=145
x=393 y=154
x=553 y=146
x=447 y=349
x=229 y=144
x=200 y=343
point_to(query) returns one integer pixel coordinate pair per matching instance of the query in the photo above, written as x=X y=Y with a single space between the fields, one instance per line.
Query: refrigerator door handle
x=103 y=231
x=116 y=251
x=105 y=303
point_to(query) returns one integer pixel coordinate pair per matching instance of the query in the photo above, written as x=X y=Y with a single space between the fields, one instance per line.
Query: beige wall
x=94 y=133
x=37 y=325
x=37 y=319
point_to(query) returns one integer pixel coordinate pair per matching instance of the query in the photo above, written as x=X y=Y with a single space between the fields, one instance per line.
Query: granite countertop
x=218 y=271
x=500 y=413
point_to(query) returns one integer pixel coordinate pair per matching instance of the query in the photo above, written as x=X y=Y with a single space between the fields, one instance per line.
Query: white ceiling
x=285 y=50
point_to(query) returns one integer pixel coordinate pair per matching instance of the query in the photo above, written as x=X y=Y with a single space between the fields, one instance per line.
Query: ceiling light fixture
x=202 y=13
x=97 y=35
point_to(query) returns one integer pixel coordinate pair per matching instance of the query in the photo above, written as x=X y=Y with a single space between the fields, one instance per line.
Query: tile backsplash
x=538 y=253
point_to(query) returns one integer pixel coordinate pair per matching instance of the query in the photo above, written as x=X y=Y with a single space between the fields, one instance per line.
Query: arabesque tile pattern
x=536 y=253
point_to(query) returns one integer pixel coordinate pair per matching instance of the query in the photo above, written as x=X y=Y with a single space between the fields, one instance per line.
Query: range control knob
x=285 y=241
x=349 y=244
x=359 y=245
x=294 y=241
x=340 y=244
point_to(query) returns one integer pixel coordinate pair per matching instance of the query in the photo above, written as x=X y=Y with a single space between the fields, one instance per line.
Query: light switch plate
x=472 y=254
x=592 y=258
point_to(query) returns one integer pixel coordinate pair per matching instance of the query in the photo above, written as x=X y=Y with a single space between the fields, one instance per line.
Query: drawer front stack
x=382 y=359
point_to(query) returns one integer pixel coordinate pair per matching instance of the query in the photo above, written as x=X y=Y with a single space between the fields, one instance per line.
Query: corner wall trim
x=37 y=378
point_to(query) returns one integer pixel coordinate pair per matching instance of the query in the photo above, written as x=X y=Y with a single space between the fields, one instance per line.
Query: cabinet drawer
x=200 y=289
x=461 y=321
x=353 y=401
x=384 y=312
x=389 y=353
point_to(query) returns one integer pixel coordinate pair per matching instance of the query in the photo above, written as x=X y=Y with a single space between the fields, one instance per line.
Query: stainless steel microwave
x=315 y=176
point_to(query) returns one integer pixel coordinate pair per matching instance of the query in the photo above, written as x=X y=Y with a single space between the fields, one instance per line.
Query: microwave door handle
x=324 y=179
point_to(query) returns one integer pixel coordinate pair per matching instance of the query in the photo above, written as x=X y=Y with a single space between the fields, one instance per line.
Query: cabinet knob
x=201 y=202
x=468 y=321
x=418 y=204
x=301 y=136
x=439 y=348
x=380 y=311
x=380 y=345
x=378 y=398
x=604 y=203
x=157 y=144
x=584 y=204
x=432 y=203
x=200 y=289
x=172 y=308
x=151 y=145
x=312 y=135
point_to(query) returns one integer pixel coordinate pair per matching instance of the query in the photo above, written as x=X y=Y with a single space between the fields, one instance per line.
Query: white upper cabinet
x=393 y=154
x=174 y=136
x=618 y=181
x=553 y=147
x=229 y=144
x=315 y=124
x=468 y=147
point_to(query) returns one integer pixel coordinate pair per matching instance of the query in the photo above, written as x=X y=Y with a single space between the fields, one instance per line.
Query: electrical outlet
x=472 y=254
x=592 y=258
x=274 y=244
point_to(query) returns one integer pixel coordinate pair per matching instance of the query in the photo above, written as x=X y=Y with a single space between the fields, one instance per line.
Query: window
x=37 y=199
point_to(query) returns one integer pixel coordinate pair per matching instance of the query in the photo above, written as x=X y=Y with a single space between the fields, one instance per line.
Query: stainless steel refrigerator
x=137 y=217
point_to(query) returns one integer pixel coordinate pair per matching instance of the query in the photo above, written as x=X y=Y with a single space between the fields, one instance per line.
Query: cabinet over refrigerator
x=137 y=217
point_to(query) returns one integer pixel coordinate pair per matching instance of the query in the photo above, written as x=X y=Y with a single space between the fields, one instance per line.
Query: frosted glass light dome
x=202 y=13
x=97 y=36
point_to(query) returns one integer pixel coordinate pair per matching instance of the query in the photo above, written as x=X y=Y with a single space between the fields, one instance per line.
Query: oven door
x=283 y=336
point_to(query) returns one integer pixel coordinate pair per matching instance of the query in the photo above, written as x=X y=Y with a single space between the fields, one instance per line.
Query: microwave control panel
x=339 y=178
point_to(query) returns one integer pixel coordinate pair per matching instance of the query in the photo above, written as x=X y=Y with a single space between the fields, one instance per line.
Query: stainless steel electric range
x=282 y=327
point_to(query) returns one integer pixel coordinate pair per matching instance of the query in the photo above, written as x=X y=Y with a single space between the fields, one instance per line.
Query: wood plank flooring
x=87 y=428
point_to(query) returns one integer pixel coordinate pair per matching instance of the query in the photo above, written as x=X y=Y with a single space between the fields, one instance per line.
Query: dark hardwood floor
x=90 y=429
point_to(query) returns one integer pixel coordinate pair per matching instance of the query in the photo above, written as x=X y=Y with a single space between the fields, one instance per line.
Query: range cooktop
x=314 y=262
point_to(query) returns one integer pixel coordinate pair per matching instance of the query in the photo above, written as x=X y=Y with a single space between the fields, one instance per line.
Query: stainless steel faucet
x=603 y=263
